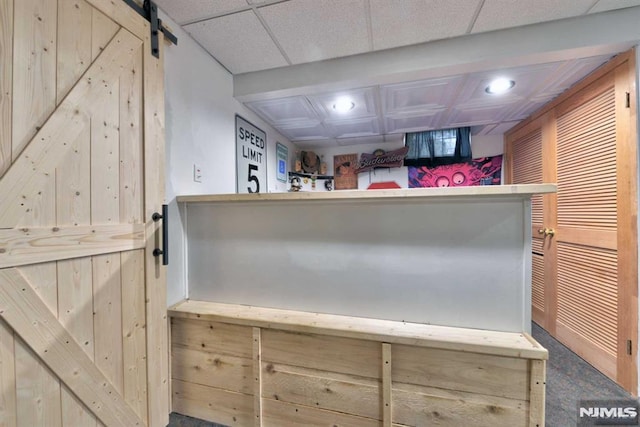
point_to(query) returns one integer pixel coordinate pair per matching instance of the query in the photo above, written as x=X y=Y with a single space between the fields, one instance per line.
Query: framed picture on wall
x=344 y=175
x=282 y=159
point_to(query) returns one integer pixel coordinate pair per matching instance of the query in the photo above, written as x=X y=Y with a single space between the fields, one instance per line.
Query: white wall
x=487 y=145
x=481 y=146
x=456 y=261
x=200 y=128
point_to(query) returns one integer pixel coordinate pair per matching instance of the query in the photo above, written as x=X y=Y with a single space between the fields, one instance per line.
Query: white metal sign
x=251 y=158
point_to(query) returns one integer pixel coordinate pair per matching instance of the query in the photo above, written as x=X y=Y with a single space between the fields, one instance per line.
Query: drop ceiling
x=266 y=40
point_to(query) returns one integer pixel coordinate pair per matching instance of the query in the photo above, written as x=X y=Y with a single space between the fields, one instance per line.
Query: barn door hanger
x=149 y=11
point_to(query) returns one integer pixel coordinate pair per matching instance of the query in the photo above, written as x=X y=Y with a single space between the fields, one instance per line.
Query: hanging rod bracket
x=149 y=11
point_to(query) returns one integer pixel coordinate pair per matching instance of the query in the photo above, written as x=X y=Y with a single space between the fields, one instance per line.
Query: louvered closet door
x=526 y=160
x=587 y=255
x=585 y=280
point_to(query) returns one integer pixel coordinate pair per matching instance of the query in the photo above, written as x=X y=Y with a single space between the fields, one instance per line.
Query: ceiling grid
x=303 y=39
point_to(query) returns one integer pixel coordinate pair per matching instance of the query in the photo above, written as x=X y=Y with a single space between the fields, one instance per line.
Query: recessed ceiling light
x=499 y=86
x=343 y=105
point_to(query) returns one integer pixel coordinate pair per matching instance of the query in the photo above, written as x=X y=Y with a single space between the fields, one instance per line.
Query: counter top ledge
x=520 y=190
x=498 y=343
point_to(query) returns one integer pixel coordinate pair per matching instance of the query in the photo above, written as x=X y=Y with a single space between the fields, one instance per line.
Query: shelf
x=509 y=344
x=522 y=191
x=310 y=175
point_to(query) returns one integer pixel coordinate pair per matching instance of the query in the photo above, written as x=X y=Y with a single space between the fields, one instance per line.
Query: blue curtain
x=438 y=147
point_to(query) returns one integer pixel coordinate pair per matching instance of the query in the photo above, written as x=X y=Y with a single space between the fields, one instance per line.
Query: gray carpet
x=569 y=379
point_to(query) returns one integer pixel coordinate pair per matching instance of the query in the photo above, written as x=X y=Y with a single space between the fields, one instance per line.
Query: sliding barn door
x=83 y=334
x=585 y=265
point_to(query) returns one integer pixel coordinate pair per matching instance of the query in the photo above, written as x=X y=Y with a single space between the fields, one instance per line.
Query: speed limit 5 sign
x=251 y=158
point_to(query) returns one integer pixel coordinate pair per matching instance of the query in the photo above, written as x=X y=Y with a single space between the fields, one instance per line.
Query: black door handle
x=165 y=234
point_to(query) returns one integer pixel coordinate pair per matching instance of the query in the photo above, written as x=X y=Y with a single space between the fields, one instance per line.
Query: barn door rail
x=149 y=11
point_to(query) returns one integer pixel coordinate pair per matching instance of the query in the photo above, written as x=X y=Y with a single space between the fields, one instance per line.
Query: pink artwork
x=482 y=171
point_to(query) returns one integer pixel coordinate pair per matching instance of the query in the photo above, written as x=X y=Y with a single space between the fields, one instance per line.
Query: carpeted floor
x=569 y=379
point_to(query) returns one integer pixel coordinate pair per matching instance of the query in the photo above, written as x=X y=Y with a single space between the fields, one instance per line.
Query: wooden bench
x=241 y=365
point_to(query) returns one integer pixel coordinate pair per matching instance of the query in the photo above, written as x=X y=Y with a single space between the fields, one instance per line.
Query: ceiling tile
x=319 y=29
x=345 y=142
x=401 y=124
x=482 y=130
x=404 y=22
x=524 y=109
x=305 y=133
x=527 y=79
x=568 y=74
x=239 y=42
x=354 y=128
x=502 y=128
x=604 y=5
x=293 y=111
x=412 y=98
x=316 y=144
x=363 y=100
x=478 y=115
x=496 y=14
x=190 y=10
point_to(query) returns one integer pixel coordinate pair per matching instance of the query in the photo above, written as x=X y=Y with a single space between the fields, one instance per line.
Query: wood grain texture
x=277 y=413
x=37 y=388
x=468 y=340
x=387 y=393
x=41 y=244
x=131 y=143
x=496 y=190
x=21 y=185
x=73 y=44
x=28 y=316
x=586 y=349
x=34 y=69
x=323 y=390
x=537 y=386
x=156 y=290
x=257 y=377
x=426 y=406
x=208 y=403
x=7 y=376
x=73 y=183
x=134 y=349
x=212 y=337
x=313 y=379
x=102 y=31
x=123 y=16
x=550 y=206
x=333 y=354
x=6 y=83
x=627 y=202
x=107 y=309
x=75 y=279
x=474 y=373
x=105 y=158
x=212 y=369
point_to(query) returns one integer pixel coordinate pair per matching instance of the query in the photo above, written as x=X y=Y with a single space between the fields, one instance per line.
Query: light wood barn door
x=590 y=260
x=83 y=327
